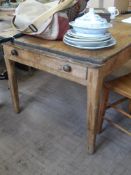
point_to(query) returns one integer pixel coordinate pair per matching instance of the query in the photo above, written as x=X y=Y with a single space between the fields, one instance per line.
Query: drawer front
x=57 y=66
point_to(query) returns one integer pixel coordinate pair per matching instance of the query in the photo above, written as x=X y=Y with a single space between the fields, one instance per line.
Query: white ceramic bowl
x=87 y=30
x=90 y=23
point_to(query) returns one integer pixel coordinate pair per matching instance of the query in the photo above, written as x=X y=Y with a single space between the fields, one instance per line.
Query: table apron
x=75 y=72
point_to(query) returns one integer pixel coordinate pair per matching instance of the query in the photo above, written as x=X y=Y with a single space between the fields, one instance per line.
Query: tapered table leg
x=94 y=87
x=102 y=109
x=13 y=84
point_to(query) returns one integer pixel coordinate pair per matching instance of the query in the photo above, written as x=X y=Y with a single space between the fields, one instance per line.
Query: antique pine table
x=86 y=67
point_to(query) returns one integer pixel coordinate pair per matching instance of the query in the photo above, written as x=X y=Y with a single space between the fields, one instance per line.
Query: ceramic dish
x=88 y=39
x=111 y=43
x=90 y=20
x=74 y=34
x=90 y=23
x=85 y=26
x=89 y=44
x=85 y=30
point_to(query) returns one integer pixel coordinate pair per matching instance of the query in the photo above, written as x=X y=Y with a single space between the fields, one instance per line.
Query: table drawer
x=57 y=66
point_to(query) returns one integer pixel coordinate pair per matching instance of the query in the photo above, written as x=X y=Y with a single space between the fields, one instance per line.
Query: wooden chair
x=121 y=86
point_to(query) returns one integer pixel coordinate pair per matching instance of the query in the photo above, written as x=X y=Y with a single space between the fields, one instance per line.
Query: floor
x=48 y=136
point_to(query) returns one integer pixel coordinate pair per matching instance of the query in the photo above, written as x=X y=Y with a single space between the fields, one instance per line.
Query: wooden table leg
x=13 y=84
x=102 y=109
x=94 y=87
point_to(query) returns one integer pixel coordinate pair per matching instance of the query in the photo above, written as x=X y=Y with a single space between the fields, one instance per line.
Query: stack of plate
x=89 y=31
x=88 y=41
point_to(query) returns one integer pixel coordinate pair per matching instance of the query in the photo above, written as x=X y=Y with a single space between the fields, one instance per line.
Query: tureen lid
x=90 y=20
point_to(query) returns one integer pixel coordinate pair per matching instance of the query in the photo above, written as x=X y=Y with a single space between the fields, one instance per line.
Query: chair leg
x=129 y=106
x=102 y=108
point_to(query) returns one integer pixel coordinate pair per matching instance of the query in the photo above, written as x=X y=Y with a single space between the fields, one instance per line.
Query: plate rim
x=88 y=44
x=87 y=40
x=93 y=48
x=81 y=35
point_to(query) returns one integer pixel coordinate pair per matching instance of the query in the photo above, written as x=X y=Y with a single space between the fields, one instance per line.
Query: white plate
x=88 y=43
x=101 y=39
x=111 y=43
x=72 y=33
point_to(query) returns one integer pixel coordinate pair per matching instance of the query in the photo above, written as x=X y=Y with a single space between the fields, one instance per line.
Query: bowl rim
x=109 y=25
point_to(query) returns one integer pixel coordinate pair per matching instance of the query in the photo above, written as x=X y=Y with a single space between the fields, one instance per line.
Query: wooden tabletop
x=120 y=31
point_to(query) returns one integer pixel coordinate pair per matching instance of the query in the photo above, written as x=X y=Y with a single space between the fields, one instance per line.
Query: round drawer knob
x=67 y=68
x=14 y=52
